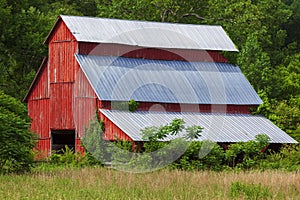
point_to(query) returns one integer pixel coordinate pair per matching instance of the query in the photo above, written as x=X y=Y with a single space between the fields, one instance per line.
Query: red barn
x=172 y=70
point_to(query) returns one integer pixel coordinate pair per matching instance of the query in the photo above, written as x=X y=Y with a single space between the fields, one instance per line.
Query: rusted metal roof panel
x=217 y=127
x=149 y=34
x=122 y=79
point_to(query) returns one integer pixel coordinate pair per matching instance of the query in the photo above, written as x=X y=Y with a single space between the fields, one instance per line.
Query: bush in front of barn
x=16 y=140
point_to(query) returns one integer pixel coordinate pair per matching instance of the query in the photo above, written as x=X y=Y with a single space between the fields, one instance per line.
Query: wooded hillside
x=267 y=33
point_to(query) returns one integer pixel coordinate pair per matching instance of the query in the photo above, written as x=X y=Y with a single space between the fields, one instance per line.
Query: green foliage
x=69 y=158
x=94 y=143
x=154 y=153
x=255 y=63
x=177 y=125
x=247 y=154
x=285 y=113
x=131 y=105
x=193 y=132
x=21 y=51
x=124 y=158
x=293 y=25
x=243 y=18
x=249 y=191
x=16 y=141
x=213 y=158
x=288 y=158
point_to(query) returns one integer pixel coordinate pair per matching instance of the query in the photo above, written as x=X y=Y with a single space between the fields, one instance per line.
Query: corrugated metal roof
x=122 y=79
x=217 y=127
x=149 y=34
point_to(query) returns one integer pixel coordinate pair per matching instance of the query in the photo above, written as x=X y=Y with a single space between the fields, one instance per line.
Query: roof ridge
x=142 y=21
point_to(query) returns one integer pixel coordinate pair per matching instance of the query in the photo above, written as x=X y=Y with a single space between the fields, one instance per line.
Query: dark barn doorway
x=62 y=138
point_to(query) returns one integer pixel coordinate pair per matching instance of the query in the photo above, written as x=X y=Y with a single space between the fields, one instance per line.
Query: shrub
x=246 y=154
x=201 y=156
x=287 y=159
x=93 y=143
x=16 y=140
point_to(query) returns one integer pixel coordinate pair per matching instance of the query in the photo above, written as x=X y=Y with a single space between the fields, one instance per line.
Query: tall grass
x=103 y=183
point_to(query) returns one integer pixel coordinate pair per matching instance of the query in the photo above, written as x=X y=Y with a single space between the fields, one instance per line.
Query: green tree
x=154 y=10
x=242 y=18
x=16 y=141
x=255 y=63
x=21 y=47
x=293 y=25
x=285 y=79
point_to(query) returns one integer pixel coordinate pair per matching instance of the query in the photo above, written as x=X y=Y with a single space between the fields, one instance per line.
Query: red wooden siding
x=90 y=48
x=82 y=86
x=62 y=61
x=44 y=148
x=39 y=112
x=38 y=103
x=240 y=109
x=40 y=87
x=78 y=145
x=60 y=33
x=150 y=53
x=174 y=54
x=112 y=132
x=85 y=103
x=62 y=47
x=61 y=113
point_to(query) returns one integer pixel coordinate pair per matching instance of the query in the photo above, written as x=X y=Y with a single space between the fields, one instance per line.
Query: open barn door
x=62 y=138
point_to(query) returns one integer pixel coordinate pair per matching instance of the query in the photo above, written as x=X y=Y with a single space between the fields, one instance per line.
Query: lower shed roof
x=218 y=127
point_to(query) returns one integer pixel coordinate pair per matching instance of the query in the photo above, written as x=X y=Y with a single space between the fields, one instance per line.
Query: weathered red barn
x=172 y=70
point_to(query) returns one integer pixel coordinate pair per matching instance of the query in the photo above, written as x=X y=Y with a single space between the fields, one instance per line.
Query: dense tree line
x=266 y=32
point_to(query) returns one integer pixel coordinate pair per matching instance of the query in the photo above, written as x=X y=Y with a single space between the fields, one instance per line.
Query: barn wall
x=38 y=108
x=85 y=105
x=62 y=61
x=150 y=53
x=43 y=147
x=38 y=111
x=175 y=107
x=112 y=132
x=240 y=109
x=62 y=69
x=61 y=104
x=40 y=89
x=60 y=33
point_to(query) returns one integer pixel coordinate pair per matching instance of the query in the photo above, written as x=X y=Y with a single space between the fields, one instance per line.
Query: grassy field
x=103 y=183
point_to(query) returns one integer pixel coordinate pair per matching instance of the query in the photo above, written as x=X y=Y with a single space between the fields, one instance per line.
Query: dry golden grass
x=103 y=183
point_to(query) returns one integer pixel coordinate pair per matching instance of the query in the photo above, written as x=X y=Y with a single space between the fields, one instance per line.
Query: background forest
x=266 y=32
